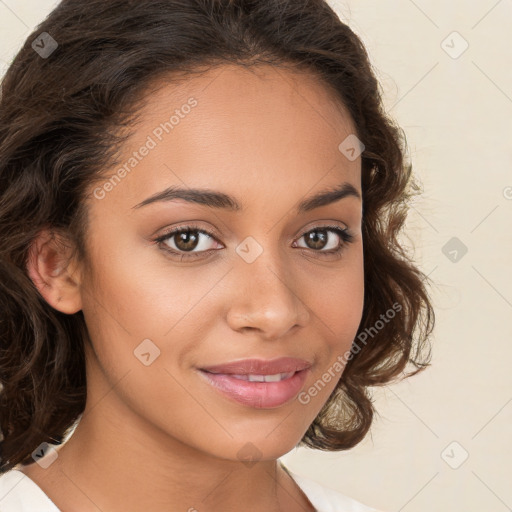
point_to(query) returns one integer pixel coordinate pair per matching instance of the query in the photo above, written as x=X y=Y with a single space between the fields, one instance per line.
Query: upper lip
x=260 y=366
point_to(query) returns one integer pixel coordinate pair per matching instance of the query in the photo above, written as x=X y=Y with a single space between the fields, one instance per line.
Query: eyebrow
x=215 y=199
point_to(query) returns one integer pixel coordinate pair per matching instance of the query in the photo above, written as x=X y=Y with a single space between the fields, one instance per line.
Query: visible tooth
x=257 y=378
x=274 y=378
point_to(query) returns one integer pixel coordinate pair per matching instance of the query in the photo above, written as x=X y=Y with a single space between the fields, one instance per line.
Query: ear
x=54 y=273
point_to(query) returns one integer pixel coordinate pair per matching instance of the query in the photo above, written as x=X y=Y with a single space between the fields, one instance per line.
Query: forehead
x=231 y=93
x=262 y=128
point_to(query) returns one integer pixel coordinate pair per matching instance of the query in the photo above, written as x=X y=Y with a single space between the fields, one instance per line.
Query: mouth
x=263 y=384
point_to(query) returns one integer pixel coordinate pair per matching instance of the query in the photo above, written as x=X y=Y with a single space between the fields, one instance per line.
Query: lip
x=260 y=366
x=260 y=395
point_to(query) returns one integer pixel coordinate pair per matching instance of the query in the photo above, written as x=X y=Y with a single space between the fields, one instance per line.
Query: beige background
x=456 y=109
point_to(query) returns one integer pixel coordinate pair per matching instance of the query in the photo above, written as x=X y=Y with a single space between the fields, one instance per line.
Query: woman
x=200 y=270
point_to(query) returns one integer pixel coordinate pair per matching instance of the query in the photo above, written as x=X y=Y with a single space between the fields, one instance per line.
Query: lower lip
x=262 y=395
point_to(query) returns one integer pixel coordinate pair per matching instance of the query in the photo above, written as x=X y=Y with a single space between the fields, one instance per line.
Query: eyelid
x=323 y=224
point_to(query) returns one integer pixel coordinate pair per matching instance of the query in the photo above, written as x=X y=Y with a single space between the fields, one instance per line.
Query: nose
x=265 y=298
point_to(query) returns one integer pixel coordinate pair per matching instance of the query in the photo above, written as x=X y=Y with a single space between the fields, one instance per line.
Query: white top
x=19 y=493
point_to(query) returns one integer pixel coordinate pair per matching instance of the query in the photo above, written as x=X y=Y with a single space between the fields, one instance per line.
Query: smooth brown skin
x=158 y=437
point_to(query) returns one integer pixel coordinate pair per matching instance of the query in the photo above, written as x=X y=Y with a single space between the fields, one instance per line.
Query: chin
x=257 y=444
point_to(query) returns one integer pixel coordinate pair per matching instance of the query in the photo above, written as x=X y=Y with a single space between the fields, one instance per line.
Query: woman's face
x=266 y=283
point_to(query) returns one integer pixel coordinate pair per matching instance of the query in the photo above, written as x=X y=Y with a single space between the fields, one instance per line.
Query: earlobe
x=48 y=265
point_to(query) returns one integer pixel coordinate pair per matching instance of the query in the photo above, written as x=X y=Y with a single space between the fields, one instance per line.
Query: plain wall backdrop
x=441 y=440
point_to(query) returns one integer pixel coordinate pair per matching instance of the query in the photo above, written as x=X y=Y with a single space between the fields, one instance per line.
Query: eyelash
x=344 y=234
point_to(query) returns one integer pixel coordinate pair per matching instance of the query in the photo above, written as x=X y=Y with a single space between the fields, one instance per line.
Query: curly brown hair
x=60 y=120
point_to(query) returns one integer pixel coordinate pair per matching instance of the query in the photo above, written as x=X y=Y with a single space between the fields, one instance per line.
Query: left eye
x=187 y=239
x=318 y=238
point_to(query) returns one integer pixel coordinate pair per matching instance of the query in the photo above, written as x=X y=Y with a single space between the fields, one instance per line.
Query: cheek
x=140 y=308
x=128 y=311
x=338 y=307
x=336 y=298
x=136 y=292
